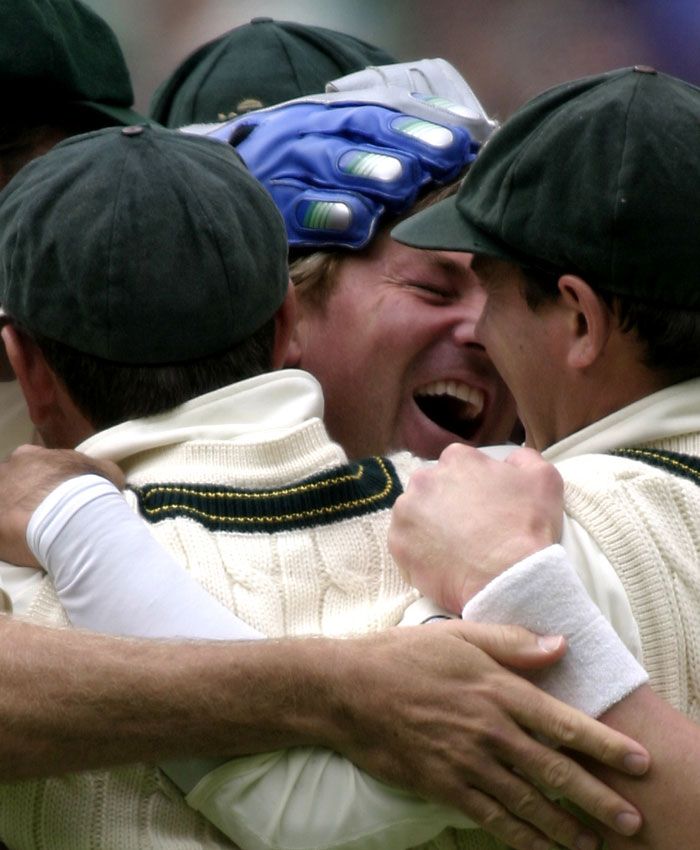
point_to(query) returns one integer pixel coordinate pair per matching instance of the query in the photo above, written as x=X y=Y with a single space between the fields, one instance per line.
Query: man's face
x=525 y=346
x=396 y=354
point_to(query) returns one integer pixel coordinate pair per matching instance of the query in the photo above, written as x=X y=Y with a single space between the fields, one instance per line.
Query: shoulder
x=610 y=492
x=645 y=467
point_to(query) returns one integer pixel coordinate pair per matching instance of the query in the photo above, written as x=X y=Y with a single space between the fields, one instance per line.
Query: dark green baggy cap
x=258 y=64
x=141 y=245
x=599 y=177
x=60 y=51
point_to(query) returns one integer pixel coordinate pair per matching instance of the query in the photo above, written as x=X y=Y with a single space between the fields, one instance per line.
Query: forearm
x=72 y=700
x=668 y=795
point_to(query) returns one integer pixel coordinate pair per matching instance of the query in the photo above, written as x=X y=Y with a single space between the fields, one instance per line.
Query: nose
x=471 y=308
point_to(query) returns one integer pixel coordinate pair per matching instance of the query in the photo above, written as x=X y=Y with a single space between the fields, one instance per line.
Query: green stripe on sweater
x=348 y=491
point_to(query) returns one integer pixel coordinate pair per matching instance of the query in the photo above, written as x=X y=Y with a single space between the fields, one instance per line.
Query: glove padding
x=433 y=89
x=334 y=163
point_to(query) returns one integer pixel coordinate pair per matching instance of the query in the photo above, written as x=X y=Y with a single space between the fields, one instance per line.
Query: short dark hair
x=669 y=336
x=108 y=393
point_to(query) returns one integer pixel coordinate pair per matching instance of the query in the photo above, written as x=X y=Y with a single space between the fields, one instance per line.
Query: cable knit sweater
x=645 y=521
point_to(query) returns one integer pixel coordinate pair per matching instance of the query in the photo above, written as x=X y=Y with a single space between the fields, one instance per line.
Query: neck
x=590 y=399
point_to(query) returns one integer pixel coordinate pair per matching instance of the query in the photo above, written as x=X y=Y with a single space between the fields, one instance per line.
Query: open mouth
x=453 y=406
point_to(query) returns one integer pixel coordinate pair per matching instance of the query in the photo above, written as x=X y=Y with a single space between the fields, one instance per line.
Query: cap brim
x=442 y=227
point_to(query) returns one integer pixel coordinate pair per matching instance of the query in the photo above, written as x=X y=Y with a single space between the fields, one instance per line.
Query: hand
x=465 y=520
x=336 y=163
x=26 y=478
x=426 y=709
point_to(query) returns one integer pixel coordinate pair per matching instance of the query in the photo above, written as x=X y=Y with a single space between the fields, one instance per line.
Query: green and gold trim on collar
x=353 y=490
x=677 y=463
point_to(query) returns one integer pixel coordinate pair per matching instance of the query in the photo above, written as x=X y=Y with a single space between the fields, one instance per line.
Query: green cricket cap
x=255 y=65
x=598 y=177
x=60 y=52
x=141 y=245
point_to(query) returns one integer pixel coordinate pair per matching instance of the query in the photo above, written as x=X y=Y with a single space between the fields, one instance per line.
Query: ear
x=588 y=320
x=286 y=350
x=36 y=378
x=6 y=373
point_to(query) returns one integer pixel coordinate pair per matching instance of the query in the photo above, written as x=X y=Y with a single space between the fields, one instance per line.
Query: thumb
x=514 y=646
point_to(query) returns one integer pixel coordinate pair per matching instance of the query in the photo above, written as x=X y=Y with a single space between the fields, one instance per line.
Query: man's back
x=278 y=525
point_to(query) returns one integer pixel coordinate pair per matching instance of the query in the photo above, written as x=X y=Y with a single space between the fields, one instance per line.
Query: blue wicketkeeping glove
x=334 y=169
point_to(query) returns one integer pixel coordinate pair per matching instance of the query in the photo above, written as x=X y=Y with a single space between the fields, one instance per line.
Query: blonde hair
x=315 y=275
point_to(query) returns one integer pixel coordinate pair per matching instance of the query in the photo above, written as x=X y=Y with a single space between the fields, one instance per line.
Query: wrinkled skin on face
x=395 y=352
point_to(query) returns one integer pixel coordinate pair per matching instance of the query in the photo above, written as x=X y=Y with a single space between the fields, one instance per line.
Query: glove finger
x=316 y=217
x=392 y=176
x=434 y=143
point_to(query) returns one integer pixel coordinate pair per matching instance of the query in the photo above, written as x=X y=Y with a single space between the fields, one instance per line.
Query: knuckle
x=455 y=452
x=416 y=483
x=495 y=818
x=528 y=804
x=563 y=730
x=557 y=773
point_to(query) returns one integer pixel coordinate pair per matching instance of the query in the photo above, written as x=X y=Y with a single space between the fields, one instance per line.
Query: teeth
x=472 y=398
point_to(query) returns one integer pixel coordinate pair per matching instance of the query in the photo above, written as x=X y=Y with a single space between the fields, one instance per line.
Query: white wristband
x=543 y=593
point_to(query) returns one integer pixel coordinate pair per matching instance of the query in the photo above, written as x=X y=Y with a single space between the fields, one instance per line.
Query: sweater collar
x=275 y=402
x=671 y=412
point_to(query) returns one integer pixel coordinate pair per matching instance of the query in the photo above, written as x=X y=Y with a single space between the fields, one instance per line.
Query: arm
x=668 y=796
x=458 y=485
x=366 y=698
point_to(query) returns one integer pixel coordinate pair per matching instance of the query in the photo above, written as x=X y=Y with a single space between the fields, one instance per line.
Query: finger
x=525 y=805
x=26 y=449
x=566 y=779
x=524 y=458
x=568 y=727
x=517 y=832
x=513 y=646
x=460 y=453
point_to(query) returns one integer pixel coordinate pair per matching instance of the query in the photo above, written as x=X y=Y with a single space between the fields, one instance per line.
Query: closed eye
x=430 y=289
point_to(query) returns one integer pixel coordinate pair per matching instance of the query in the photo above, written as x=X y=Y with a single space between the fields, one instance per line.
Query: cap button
x=134 y=130
x=644 y=69
x=261 y=20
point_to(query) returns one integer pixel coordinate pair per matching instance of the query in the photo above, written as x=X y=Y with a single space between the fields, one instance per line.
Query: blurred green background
x=507 y=49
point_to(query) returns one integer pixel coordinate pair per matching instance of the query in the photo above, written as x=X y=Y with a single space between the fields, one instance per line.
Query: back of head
x=58 y=54
x=255 y=65
x=140 y=245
